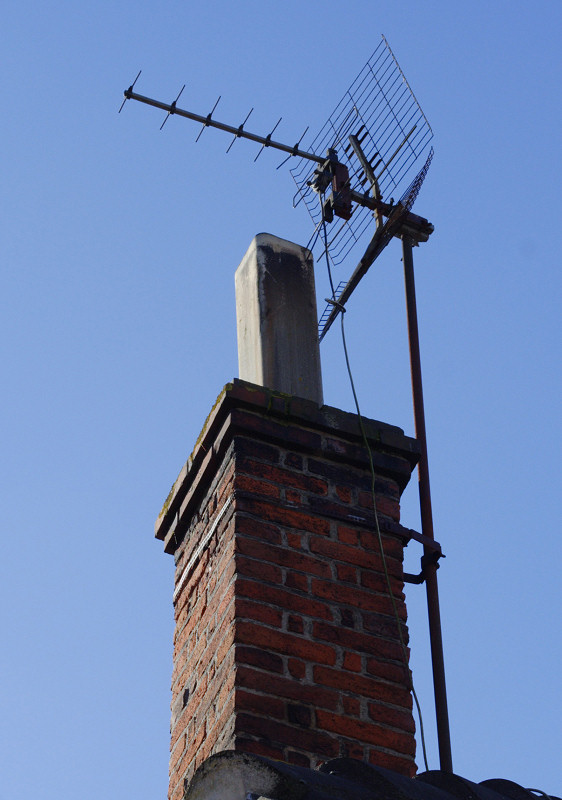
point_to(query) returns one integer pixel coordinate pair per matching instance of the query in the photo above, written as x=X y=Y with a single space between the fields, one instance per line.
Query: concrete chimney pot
x=277 y=320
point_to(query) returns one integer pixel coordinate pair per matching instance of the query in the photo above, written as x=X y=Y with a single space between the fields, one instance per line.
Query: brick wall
x=286 y=644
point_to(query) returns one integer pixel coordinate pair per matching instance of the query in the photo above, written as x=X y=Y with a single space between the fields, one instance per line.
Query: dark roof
x=239 y=776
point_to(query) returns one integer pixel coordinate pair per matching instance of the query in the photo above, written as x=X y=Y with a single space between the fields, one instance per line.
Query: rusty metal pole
x=430 y=566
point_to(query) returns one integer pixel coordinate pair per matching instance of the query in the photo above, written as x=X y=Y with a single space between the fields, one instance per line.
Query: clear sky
x=119 y=246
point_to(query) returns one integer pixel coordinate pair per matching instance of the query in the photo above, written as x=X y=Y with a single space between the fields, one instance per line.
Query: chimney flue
x=276 y=318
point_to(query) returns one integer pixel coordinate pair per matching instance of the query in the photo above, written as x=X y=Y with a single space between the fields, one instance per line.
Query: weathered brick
x=251 y=568
x=283 y=477
x=362 y=686
x=392 y=671
x=296 y=668
x=316 y=696
x=293 y=497
x=283 y=598
x=299 y=715
x=255 y=486
x=260 y=612
x=293 y=461
x=358 y=556
x=257 y=657
x=344 y=493
x=346 y=573
x=366 y=732
x=295 y=580
x=280 y=642
x=395 y=717
x=357 y=640
x=351 y=705
x=258 y=747
x=285 y=516
x=401 y=764
x=352 y=662
x=289 y=585
x=282 y=556
x=261 y=704
x=295 y=624
x=353 y=596
x=252 y=448
x=250 y=526
x=278 y=733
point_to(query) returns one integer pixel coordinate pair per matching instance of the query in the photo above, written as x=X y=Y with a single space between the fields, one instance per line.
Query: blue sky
x=120 y=244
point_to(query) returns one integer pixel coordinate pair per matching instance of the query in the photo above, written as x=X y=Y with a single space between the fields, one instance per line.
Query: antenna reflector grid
x=381 y=109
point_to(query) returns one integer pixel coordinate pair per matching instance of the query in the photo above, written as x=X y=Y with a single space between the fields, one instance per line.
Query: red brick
x=350 y=749
x=283 y=557
x=348 y=535
x=393 y=547
x=258 y=529
x=288 y=688
x=296 y=668
x=251 y=568
x=346 y=573
x=295 y=624
x=387 y=670
x=358 y=641
x=246 y=609
x=377 y=582
x=383 y=625
x=362 y=686
x=366 y=732
x=344 y=494
x=293 y=461
x=300 y=715
x=395 y=717
x=283 y=598
x=294 y=580
x=284 y=477
x=244 y=744
x=247 y=484
x=257 y=657
x=278 y=733
x=293 y=497
x=385 y=505
x=264 y=705
x=294 y=540
x=245 y=446
x=352 y=662
x=351 y=705
x=353 y=596
x=266 y=427
x=358 y=556
x=401 y=765
x=280 y=642
x=289 y=517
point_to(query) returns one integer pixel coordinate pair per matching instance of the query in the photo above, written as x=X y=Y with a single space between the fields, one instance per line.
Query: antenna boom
x=235 y=131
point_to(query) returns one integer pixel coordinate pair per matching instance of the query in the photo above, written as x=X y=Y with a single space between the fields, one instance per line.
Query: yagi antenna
x=363 y=154
x=362 y=157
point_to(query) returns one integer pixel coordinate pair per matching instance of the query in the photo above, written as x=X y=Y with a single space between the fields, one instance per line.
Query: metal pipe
x=434 y=617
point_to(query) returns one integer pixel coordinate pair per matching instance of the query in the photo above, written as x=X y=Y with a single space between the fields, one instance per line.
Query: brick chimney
x=285 y=643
